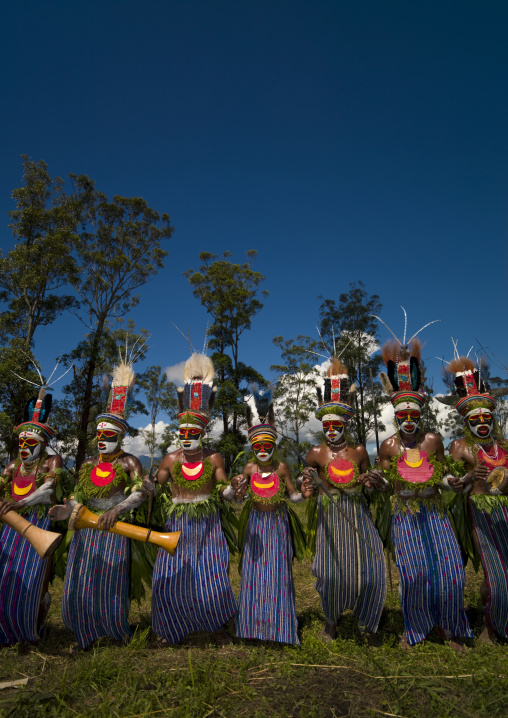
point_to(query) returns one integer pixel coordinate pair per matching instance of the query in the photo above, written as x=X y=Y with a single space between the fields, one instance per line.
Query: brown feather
x=460 y=364
x=386 y=383
x=390 y=351
x=179 y=395
x=336 y=367
x=415 y=349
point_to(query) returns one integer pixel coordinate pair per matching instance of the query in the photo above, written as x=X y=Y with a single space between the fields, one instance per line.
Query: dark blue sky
x=343 y=141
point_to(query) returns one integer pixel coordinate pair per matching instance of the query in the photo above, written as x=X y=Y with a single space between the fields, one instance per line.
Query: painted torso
x=414 y=464
x=22 y=486
x=339 y=469
x=192 y=478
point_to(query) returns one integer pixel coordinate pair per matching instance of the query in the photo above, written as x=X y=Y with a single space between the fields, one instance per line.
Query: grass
x=253 y=679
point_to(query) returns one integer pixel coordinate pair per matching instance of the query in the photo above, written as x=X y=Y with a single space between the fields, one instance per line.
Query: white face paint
x=334 y=427
x=190 y=437
x=408 y=420
x=30 y=448
x=108 y=439
x=263 y=450
x=481 y=423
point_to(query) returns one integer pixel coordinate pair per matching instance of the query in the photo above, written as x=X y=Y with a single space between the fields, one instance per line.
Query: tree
x=41 y=263
x=118 y=252
x=296 y=389
x=160 y=395
x=356 y=345
x=229 y=294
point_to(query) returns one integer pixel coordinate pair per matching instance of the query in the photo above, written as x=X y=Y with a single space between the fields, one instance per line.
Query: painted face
x=108 y=440
x=334 y=428
x=408 y=420
x=190 y=437
x=30 y=449
x=481 y=423
x=263 y=450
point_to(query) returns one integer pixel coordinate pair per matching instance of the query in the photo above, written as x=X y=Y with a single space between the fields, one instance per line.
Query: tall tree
x=41 y=264
x=297 y=381
x=68 y=412
x=119 y=251
x=160 y=396
x=229 y=293
x=351 y=316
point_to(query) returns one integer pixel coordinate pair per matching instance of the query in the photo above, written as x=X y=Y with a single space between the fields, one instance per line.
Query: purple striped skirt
x=95 y=600
x=492 y=532
x=431 y=572
x=191 y=590
x=267 y=602
x=21 y=578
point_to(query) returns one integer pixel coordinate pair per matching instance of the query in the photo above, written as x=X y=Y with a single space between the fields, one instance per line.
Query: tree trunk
x=87 y=397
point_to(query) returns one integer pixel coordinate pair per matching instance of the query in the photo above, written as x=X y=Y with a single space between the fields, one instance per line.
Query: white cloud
x=174 y=373
x=136 y=445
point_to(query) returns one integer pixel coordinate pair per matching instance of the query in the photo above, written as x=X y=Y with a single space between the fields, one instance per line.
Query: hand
x=375 y=479
x=456 y=483
x=149 y=486
x=60 y=512
x=480 y=472
x=308 y=473
x=307 y=488
x=8 y=505
x=236 y=481
x=243 y=485
x=108 y=520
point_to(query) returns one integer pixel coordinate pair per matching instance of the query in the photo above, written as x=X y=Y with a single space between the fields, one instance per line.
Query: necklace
x=186 y=460
x=335 y=448
x=26 y=468
x=109 y=458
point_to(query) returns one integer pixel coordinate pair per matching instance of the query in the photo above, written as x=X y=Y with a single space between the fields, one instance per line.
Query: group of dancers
x=191 y=590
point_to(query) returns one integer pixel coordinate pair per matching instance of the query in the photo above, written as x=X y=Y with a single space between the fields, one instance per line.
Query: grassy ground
x=249 y=678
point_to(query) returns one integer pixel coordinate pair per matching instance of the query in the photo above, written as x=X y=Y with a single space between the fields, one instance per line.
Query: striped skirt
x=431 y=572
x=21 y=578
x=95 y=599
x=191 y=590
x=492 y=532
x=349 y=575
x=267 y=603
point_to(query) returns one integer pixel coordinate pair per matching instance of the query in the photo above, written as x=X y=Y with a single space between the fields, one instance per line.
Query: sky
x=343 y=141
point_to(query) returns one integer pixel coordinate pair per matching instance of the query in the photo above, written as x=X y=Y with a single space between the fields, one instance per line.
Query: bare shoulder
x=214 y=456
x=458 y=449
x=53 y=462
x=283 y=469
x=314 y=455
x=389 y=447
x=434 y=439
x=9 y=468
x=249 y=468
x=132 y=462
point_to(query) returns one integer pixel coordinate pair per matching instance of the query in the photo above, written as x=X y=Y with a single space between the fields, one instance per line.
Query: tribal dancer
x=96 y=590
x=484 y=453
x=191 y=590
x=349 y=573
x=267 y=601
x=30 y=482
x=427 y=553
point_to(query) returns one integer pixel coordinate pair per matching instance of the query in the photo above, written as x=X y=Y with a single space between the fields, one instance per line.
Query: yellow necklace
x=109 y=458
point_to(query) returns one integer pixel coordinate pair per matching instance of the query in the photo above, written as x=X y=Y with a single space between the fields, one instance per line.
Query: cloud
x=136 y=445
x=174 y=373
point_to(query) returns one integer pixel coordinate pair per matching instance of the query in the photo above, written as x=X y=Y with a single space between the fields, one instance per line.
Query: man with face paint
x=191 y=590
x=28 y=485
x=266 y=603
x=95 y=599
x=349 y=573
x=412 y=464
x=484 y=455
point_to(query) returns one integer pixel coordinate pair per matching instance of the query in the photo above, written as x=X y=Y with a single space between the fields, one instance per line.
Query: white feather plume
x=199 y=366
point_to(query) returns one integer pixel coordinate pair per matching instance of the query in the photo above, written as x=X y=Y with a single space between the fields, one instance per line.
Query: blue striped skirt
x=95 y=599
x=267 y=601
x=492 y=533
x=21 y=578
x=431 y=574
x=191 y=590
x=349 y=575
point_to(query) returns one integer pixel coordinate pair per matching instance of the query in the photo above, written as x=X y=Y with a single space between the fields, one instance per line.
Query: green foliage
x=296 y=389
x=229 y=294
x=160 y=396
x=352 y=316
x=44 y=225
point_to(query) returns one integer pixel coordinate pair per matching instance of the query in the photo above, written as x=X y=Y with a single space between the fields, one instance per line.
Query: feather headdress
x=118 y=400
x=266 y=415
x=336 y=396
x=197 y=396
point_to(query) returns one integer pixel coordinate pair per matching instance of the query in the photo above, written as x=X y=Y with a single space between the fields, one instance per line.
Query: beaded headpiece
x=114 y=416
x=265 y=429
x=404 y=377
x=197 y=396
x=336 y=396
x=471 y=391
x=37 y=410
